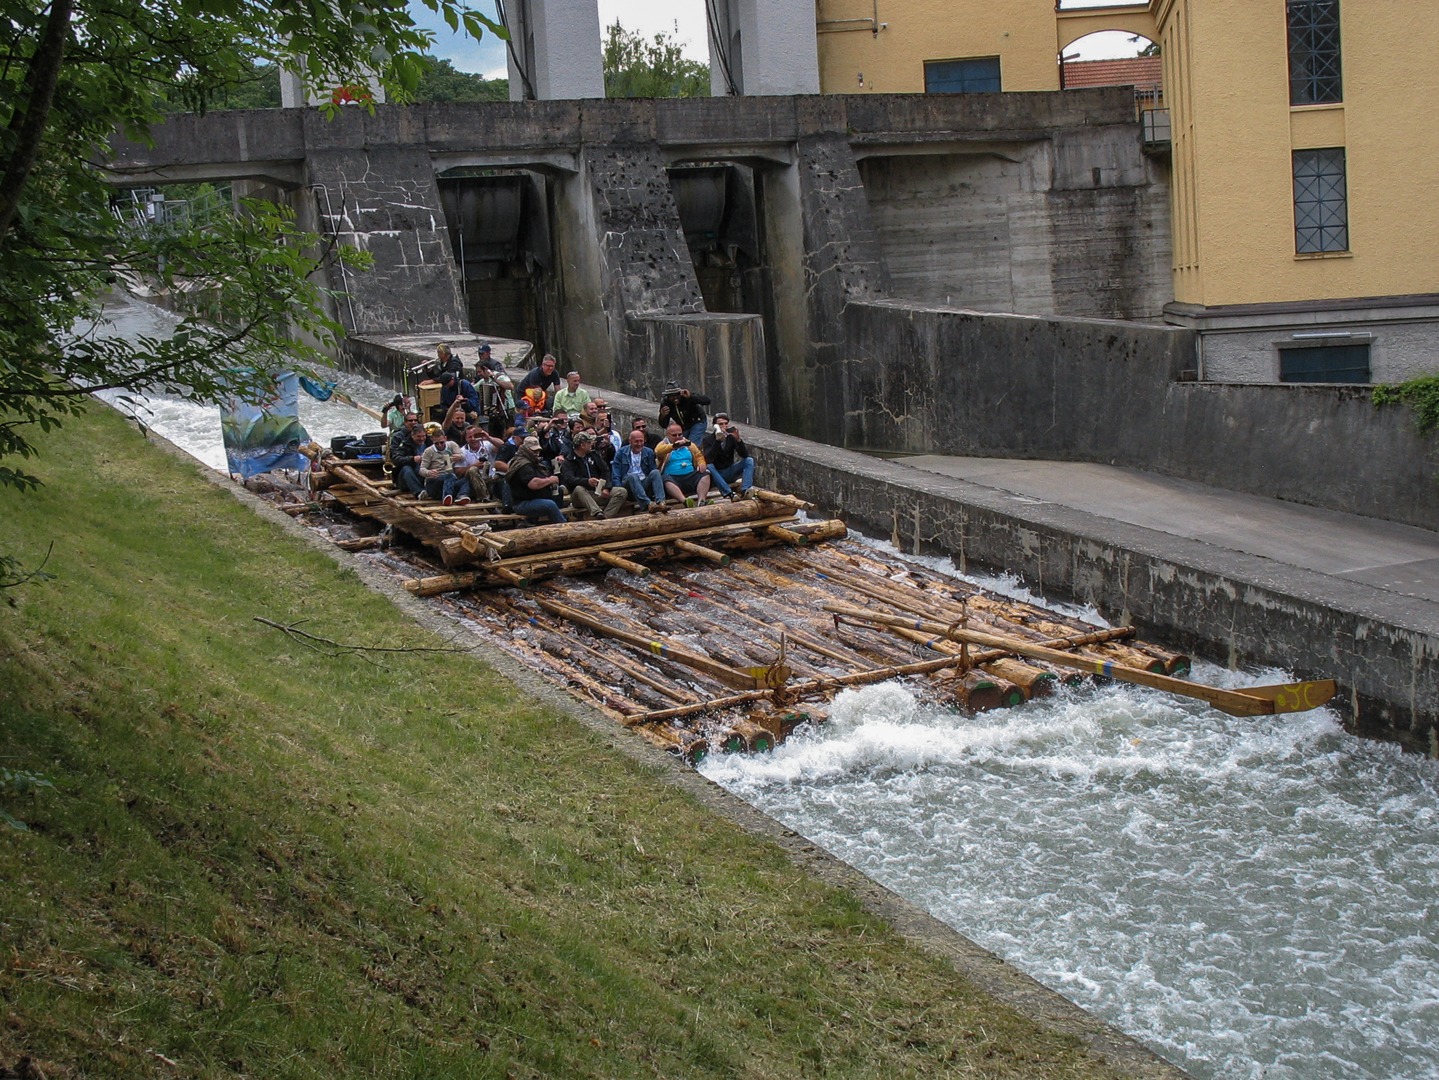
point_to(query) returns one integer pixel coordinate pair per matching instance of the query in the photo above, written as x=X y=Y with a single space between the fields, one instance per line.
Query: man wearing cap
x=586 y=477
x=543 y=378
x=407 y=448
x=637 y=471
x=681 y=406
x=453 y=387
x=534 y=488
x=570 y=398
x=727 y=457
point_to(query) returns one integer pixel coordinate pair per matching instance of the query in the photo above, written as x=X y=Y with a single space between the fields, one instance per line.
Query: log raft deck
x=694 y=648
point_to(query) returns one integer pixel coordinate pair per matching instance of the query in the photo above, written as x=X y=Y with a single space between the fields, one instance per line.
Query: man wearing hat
x=452 y=387
x=680 y=406
x=534 y=488
x=728 y=457
x=492 y=371
x=587 y=478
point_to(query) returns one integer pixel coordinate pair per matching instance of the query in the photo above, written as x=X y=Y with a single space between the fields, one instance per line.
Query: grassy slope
x=266 y=861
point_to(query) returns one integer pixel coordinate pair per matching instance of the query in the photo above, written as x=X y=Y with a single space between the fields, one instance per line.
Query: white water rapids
x=1251 y=898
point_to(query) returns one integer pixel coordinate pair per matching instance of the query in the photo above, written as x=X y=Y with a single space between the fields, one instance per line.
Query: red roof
x=1133 y=71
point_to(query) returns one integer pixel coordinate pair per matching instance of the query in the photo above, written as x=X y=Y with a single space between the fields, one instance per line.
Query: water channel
x=1251 y=898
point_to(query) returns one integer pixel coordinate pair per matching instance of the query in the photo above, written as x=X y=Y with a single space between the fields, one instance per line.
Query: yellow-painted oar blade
x=1294 y=697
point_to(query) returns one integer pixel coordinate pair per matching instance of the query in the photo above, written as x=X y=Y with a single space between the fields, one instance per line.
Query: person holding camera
x=679 y=405
x=728 y=458
x=683 y=468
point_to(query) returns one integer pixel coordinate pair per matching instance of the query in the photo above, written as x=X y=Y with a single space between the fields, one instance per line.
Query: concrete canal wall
x=933 y=380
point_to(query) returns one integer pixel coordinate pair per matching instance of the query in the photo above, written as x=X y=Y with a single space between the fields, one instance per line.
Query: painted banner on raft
x=266 y=435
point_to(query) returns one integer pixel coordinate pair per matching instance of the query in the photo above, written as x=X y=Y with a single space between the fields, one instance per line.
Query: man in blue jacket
x=451 y=387
x=636 y=469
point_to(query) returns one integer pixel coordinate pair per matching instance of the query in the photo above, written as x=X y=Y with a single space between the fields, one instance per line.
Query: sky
x=682 y=19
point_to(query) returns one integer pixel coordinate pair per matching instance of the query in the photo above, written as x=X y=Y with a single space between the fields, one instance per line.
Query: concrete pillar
x=762 y=47
x=557 y=43
x=294 y=93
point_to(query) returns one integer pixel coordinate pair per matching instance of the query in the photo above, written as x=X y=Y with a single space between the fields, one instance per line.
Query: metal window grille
x=1321 y=201
x=1314 y=67
x=1325 y=363
x=976 y=76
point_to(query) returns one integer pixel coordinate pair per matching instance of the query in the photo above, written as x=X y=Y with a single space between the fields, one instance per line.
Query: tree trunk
x=29 y=124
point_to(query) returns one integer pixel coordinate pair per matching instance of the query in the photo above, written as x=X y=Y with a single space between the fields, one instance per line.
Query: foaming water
x=1252 y=898
x=196 y=428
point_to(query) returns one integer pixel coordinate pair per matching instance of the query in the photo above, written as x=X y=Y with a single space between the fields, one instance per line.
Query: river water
x=1251 y=898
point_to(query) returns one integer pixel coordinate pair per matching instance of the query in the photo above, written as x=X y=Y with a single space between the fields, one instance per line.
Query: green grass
x=260 y=860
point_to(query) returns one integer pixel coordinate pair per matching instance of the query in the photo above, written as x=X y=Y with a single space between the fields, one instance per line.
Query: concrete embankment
x=1229 y=605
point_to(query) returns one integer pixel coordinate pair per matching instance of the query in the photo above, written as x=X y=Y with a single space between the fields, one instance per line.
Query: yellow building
x=1305 y=157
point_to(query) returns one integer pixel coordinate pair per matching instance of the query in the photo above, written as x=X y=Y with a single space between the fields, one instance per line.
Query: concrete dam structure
x=714 y=241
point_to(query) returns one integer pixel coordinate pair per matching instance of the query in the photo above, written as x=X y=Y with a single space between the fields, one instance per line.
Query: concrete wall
x=385 y=201
x=933 y=380
x=1077 y=225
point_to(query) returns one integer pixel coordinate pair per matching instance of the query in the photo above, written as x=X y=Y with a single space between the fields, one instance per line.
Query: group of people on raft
x=548 y=437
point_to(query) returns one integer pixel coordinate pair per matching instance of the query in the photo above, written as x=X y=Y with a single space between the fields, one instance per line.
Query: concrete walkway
x=1398 y=558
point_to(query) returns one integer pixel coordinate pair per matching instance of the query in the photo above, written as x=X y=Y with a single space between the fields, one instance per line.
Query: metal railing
x=1155 y=125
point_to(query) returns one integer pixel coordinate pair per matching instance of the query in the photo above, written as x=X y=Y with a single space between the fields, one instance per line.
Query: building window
x=975 y=76
x=1325 y=363
x=1314 y=71
x=1321 y=201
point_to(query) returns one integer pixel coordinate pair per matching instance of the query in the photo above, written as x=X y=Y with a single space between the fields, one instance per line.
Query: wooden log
x=443 y=583
x=779 y=499
x=740 y=680
x=362 y=543
x=757 y=739
x=789 y=536
x=577 y=534
x=632 y=670
x=1032 y=681
x=519 y=581
x=691 y=548
x=609 y=558
x=1255 y=701
x=819 y=532
x=978 y=692
x=295 y=510
x=713 y=533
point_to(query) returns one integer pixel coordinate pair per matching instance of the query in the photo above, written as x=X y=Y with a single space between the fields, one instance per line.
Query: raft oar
x=1251 y=701
x=754 y=678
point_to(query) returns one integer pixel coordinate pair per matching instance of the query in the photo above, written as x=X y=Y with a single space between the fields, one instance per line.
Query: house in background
x=1302 y=138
